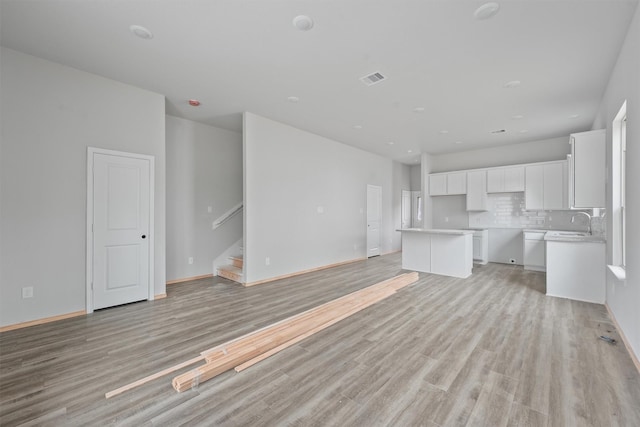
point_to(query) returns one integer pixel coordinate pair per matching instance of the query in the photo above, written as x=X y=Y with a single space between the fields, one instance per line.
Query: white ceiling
x=245 y=55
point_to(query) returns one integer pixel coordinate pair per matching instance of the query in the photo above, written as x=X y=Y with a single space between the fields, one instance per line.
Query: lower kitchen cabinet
x=534 y=250
x=576 y=270
x=481 y=246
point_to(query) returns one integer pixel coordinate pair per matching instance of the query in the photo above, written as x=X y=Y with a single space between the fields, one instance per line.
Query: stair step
x=237 y=261
x=231 y=272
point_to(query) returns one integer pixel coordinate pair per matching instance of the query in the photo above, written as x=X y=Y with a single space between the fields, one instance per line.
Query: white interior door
x=121 y=227
x=374 y=219
x=406 y=212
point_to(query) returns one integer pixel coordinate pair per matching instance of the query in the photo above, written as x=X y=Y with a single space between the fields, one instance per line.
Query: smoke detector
x=141 y=32
x=373 y=78
x=486 y=11
x=303 y=23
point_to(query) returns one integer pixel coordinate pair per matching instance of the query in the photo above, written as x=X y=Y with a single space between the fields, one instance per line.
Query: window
x=623 y=187
x=618 y=168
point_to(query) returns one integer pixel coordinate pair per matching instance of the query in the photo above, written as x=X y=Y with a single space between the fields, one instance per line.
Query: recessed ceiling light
x=194 y=102
x=486 y=11
x=444 y=132
x=303 y=23
x=418 y=110
x=357 y=126
x=293 y=99
x=512 y=84
x=517 y=117
x=574 y=116
x=141 y=32
x=524 y=131
x=409 y=151
x=390 y=143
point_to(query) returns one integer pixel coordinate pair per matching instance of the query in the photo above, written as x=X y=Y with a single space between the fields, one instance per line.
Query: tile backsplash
x=506 y=210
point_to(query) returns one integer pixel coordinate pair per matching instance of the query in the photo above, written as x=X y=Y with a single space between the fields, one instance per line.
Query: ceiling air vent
x=372 y=79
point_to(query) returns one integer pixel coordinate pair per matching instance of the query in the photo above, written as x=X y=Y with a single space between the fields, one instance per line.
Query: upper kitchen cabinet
x=442 y=184
x=587 y=170
x=477 y=190
x=457 y=183
x=545 y=186
x=505 y=180
x=438 y=184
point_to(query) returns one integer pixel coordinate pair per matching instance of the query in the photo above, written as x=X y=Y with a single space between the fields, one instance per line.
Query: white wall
x=416 y=178
x=449 y=212
x=527 y=152
x=50 y=115
x=624 y=84
x=288 y=174
x=204 y=169
x=401 y=180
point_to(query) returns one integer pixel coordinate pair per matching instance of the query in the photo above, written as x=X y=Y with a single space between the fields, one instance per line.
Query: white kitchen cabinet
x=481 y=246
x=545 y=186
x=505 y=180
x=576 y=270
x=438 y=184
x=534 y=187
x=587 y=170
x=477 y=190
x=534 y=250
x=457 y=183
x=514 y=179
x=442 y=184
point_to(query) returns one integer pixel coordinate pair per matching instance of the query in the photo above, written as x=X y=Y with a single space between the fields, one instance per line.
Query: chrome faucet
x=573 y=219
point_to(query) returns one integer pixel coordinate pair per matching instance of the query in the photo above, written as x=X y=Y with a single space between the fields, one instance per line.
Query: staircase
x=233 y=271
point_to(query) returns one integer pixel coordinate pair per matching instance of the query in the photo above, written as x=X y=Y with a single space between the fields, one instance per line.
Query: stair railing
x=227 y=215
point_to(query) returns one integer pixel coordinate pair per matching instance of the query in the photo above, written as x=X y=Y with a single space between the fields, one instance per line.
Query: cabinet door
x=457 y=183
x=588 y=159
x=534 y=187
x=534 y=253
x=495 y=180
x=553 y=187
x=477 y=191
x=438 y=185
x=514 y=179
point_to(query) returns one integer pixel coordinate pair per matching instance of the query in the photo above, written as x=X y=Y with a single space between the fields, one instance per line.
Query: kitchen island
x=445 y=252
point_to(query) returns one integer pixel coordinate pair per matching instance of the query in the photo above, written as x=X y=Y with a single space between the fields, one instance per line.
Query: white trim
x=619 y=272
x=227 y=215
x=89 y=246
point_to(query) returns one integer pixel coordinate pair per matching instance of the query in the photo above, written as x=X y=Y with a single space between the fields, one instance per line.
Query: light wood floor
x=491 y=350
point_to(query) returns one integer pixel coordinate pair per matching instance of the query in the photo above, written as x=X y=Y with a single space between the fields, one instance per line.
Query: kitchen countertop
x=556 y=236
x=437 y=231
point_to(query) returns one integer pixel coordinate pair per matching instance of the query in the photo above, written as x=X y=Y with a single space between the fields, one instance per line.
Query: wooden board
x=260 y=344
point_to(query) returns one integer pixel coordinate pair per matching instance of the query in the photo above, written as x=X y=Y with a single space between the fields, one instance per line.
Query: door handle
x=144 y=236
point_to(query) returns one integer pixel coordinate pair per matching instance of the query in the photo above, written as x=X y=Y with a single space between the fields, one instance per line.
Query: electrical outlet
x=190 y=260
x=27 y=292
x=267 y=261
